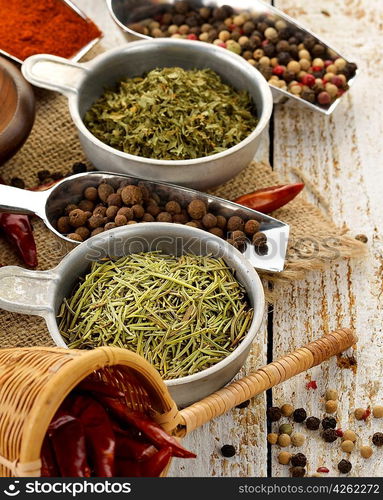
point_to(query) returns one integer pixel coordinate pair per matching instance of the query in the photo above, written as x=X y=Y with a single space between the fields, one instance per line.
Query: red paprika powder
x=43 y=27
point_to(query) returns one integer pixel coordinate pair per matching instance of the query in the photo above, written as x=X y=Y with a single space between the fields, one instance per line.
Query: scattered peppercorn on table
x=327 y=421
x=338 y=157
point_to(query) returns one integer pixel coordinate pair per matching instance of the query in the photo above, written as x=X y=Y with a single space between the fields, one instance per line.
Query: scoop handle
x=266 y=377
x=54 y=73
x=22 y=201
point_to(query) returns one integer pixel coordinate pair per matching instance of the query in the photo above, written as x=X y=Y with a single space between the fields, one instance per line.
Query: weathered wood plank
x=340 y=157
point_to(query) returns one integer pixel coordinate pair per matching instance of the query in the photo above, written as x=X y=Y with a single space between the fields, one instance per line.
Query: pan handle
x=263 y=379
x=54 y=73
x=22 y=201
x=27 y=292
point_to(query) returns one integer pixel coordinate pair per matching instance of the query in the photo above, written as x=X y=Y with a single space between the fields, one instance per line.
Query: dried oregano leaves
x=172 y=114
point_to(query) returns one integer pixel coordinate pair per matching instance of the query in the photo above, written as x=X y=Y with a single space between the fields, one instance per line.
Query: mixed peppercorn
x=288 y=57
x=287 y=436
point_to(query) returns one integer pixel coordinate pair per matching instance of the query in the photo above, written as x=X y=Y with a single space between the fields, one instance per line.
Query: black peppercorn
x=344 y=466
x=299 y=460
x=294 y=51
x=377 y=439
x=351 y=68
x=56 y=176
x=299 y=35
x=245 y=404
x=269 y=50
x=319 y=74
x=274 y=413
x=318 y=50
x=79 y=167
x=297 y=471
x=289 y=76
x=43 y=175
x=228 y=450
x=284 y=58
x=284 y=33
x=283 y=46
x=329 y=435
x=17 y=182
x=220 y=13
x=179 y=19
x=181 y=7
x=308 y=42
x=266 y=71
x=329 y=423
x=312 y=423
x=262 y=26
x=293 y=40
x=299 y=415
x=309 y=96
x=248 y=28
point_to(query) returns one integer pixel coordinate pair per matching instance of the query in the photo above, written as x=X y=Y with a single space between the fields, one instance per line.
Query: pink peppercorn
x=323 y=469
x=324 y=98
x=222 y=44
x=337 y=81
x=316 y=68
x=339 y=432
x=265 y=42
x=328 y=62
x=308 y=80
x=279 y=70
x=192 y=36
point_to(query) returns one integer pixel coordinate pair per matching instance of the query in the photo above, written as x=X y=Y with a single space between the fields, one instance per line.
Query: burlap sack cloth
x=53 y=145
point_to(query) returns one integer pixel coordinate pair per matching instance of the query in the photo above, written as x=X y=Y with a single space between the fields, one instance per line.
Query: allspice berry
x=217 y=231
x=297 y=439
x=83 y=232
x=209 y=221
x=75 y=237
x=104 y=191
x=347 y=446
x=331 y=406
x=377 y=411
x=164 y=217
x=349 y=436
x=331 y=394
x=77 y=218
x=235 y=223
x=131 y=195
x=284 y=440
x=91 y=193
x=272 y=438
x=287 y=410
x=366 y=451
x=284 y=457
x=173 y=207
x=197 y=209
x=251 y=227
x=63 y=224
x=120 y=220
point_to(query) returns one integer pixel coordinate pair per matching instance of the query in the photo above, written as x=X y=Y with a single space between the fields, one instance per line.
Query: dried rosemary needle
x=172 y=114
x=183 y=314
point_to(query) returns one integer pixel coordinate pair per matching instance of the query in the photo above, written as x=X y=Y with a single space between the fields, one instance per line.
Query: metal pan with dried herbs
x=183 y=314
x=172 y=114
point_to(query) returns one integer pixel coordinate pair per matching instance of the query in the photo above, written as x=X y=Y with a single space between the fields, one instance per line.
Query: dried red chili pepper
x=68 y=441
x=98 y=387
x=18 y=231
x=99 y=436
x=49 y=466
x=128 y=448
x=157 y=463
x=268 y=199
x=152 y=431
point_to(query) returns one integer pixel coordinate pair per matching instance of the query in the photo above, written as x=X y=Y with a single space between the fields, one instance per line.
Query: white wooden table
x=342 y=157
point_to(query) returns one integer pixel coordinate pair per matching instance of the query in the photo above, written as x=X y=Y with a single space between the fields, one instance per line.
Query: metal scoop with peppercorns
x=88 y=204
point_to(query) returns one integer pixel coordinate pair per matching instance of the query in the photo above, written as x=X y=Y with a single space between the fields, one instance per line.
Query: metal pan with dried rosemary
x=183 y=314
x=172 y=114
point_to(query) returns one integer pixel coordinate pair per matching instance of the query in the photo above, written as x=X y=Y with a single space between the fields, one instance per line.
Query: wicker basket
x=34 y=381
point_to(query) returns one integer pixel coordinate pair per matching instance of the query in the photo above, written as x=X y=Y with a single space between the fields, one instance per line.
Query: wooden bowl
x=17 y=105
